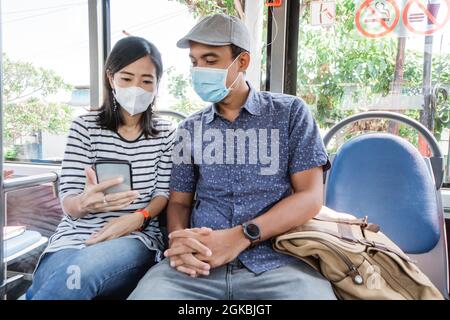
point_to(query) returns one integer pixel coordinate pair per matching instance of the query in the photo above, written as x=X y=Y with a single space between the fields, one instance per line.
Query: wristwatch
x=252 y=232
x=147 y=218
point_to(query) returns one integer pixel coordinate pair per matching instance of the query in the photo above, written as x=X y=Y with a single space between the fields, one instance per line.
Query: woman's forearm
x=72 y=205
x=157 y=205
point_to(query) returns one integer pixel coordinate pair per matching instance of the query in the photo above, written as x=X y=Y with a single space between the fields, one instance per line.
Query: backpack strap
x=359 y=221
x=344 y=231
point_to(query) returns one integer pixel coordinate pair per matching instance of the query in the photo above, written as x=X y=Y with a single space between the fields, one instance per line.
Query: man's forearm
x=288 y=213
x=177 y=216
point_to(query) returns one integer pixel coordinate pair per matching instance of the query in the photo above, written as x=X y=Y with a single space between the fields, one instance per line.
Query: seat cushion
x=384 y=177
x=21 y=242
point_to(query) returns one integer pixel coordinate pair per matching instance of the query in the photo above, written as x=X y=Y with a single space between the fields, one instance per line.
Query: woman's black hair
x=125 y=52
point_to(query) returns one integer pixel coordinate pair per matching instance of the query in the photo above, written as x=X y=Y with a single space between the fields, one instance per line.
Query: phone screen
x=106 y=170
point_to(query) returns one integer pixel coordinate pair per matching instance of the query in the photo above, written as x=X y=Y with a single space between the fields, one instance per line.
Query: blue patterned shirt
x=237 y=181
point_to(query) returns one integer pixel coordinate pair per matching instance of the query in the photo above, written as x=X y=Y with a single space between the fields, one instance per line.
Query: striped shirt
x=151 y=166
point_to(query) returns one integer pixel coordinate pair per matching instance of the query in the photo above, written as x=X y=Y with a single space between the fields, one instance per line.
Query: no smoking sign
x=375 y=19
x=378 y=18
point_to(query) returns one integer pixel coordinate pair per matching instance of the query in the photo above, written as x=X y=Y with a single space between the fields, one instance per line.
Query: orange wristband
x=147 y=217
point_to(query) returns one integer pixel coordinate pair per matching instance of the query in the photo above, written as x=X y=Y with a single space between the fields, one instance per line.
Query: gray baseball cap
x=218 y=30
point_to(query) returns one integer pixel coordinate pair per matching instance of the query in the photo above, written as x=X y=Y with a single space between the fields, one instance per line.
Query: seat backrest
x=384 y=177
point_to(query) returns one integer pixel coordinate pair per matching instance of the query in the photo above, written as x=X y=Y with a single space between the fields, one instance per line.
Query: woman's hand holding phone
x=94 y=200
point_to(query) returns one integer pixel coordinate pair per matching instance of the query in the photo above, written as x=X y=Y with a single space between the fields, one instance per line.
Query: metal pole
x=268 y=49
x=292 y=28
x=278 y=48
x=106 y=12
x=426 y=116
x=98 y=45
x=448 y=161
x=2 y=198
x=254 y=23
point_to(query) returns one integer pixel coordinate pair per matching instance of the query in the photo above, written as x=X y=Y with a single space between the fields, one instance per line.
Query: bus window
x=46 y=76
x=342 y=57
x=351 y=61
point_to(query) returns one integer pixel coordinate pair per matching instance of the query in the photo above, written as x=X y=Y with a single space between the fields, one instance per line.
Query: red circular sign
x=387 y=28
x=436 y=25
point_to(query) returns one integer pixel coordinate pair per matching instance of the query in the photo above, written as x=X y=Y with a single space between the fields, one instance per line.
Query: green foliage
x=409 y=133
x=25 y=119
x=178 y=86
x=12 y=153
x=26 y=111
x=206 y=7
x=23 y=79
x=335 y=59
x=440 y=74
x=178 y=83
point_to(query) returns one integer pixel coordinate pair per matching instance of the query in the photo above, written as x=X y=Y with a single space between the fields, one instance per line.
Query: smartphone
x=109 y=169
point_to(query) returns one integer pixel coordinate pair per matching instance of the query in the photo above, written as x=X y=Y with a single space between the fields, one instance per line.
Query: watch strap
x=253 y=240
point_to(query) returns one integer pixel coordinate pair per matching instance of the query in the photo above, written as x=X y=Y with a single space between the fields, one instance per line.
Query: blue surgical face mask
x=211 y=83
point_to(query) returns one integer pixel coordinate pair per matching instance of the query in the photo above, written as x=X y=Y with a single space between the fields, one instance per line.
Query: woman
x=103 y=247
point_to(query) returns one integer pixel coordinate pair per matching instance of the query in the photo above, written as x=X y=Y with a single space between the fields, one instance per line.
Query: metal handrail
x=172 y=113
x=391 y=116
x=35 y=180
x=437 y=160
x=16 y=184
x=29 y=181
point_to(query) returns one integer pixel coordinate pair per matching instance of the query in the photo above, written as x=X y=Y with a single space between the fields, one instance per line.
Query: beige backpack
x=359 y=260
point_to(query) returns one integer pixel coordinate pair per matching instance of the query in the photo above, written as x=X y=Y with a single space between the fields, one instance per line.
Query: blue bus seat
x=384 y=177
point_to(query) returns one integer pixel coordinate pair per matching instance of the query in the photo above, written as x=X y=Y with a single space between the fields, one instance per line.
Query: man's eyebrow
x=206 y=55
x=210 y=54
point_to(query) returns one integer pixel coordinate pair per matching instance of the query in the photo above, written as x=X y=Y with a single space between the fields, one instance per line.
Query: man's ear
x=244 y=61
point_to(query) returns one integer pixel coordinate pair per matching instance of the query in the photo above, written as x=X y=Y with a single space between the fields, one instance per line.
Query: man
x=255 y=162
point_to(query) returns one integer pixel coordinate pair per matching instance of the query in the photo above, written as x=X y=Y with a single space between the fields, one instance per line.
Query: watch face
x=253 y=230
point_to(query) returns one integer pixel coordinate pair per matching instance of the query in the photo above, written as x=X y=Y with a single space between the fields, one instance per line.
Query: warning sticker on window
x=380 y=18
